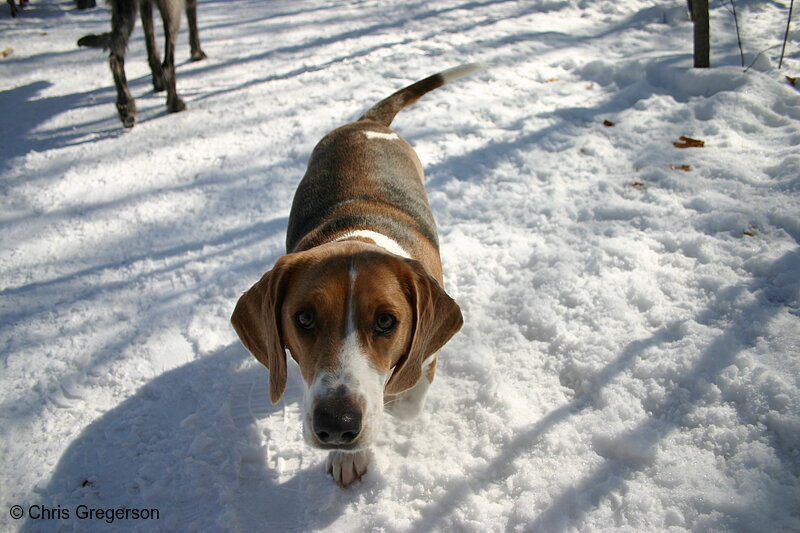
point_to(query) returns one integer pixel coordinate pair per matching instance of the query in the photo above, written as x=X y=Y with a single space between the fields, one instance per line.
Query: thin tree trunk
x=702 y=34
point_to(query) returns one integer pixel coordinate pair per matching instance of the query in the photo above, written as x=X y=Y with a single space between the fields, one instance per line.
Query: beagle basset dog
x=358 y=301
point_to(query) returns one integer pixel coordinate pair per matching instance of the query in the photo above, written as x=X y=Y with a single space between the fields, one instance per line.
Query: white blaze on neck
x=390 y=245
x=381 y=135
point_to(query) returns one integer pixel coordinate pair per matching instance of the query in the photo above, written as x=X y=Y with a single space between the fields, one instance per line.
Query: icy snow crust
x=629 y=360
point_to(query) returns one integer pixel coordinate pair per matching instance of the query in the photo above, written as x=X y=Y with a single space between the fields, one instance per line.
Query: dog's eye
x=384 y=323
x=305 y=319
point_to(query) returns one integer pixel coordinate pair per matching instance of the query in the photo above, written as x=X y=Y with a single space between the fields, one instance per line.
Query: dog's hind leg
x=123 y=16
x=171 y=15
x=153 y=58
x=194 y=34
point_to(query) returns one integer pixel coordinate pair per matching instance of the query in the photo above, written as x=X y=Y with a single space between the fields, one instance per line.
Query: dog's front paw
x=347 y=467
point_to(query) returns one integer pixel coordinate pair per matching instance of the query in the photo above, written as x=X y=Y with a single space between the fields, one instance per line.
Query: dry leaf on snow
x=688 y=142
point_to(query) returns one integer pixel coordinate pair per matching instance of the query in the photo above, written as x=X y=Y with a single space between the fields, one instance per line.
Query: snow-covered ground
x=631 y=350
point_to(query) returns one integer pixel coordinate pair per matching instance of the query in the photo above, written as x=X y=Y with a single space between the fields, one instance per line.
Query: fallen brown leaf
x=608 y=123
x=685 y=168
x=7 y=52
x=792 y=81
x=688 y=142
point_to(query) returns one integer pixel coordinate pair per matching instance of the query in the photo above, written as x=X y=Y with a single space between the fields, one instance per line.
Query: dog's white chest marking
x=390 y=245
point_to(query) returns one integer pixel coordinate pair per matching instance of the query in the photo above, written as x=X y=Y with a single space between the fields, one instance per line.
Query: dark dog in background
x=12 y=6
x=123 y=18
x=82 y=4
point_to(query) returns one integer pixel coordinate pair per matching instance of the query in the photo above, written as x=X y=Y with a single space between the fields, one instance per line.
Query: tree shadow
x=19 y=137
x=36 y=298
x=415 y=12
x=573 y=504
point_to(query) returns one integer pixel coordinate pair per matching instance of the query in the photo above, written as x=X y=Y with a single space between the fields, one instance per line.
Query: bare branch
x=786 y=35
x=738 y=35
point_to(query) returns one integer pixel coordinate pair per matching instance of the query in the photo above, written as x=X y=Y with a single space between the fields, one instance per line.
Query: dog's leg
x=171 y=15
x=153 y=58
x=194 y=35
x=347 y=467
x=123 y=16
x=409 y=403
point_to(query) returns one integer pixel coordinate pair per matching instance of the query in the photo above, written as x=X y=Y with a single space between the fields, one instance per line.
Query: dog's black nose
x=337 y=421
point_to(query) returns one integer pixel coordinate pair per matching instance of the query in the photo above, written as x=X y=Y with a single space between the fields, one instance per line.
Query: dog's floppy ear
x=437 y=318
x=256 y=320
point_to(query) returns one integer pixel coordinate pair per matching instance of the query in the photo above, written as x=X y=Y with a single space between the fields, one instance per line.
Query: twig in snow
x=786 y=34
x=759 y=55
x=738 y=35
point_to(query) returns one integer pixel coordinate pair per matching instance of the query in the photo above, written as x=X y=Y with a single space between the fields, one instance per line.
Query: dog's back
x=329 y=200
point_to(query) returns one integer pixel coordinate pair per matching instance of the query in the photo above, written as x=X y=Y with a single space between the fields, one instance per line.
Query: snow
x=629 y=360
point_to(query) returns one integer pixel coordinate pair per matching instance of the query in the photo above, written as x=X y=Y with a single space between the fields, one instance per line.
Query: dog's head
x=359 y=322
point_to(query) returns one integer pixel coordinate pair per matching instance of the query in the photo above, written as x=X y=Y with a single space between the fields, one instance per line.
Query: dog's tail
x=384 y=111
x=96 y=41
x=123 y=17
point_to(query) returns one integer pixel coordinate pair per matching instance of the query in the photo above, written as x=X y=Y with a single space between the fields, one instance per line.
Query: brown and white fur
x=359 y=299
